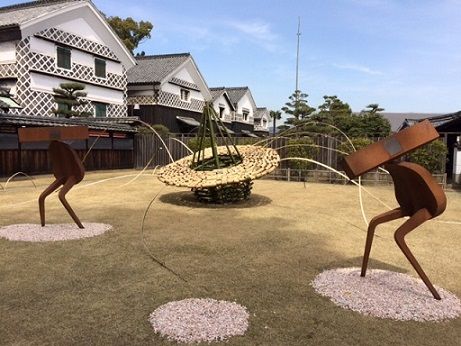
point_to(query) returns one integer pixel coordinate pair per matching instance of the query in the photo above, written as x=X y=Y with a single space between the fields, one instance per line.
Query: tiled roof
x=125 y=124
x=437 y=121
x=154 y=68
x=396 y=119
x=25 y=12
x=260 y=112
x=236 y=93
x=216 y=92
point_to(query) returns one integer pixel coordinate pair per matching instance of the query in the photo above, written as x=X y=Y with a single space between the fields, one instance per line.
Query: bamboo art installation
x=219 y=174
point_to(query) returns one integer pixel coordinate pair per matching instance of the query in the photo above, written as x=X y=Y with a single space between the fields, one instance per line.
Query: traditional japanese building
x=261 y=121
x=45 y=43
x=168 y=90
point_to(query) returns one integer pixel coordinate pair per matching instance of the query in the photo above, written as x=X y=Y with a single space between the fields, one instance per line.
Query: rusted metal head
x=44 y=134
x=391 y=148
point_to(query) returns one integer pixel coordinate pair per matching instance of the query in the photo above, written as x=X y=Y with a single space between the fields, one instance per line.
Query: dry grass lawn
x=263 y=254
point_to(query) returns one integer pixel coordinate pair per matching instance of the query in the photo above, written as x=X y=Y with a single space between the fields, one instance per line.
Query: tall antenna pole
x=297 y=53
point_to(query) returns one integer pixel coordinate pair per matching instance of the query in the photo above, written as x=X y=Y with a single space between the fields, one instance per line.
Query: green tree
x=302 y=147
x=370 y=123
x=130 y=31
x=431 y=156
x=334 y=112
x=68 y=96
x=275 y=115
x=298 y=108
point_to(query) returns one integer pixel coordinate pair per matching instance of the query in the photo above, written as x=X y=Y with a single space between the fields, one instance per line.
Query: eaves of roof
x=125 y=124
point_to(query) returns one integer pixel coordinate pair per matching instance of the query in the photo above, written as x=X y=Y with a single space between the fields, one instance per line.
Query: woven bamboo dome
x=257 y=162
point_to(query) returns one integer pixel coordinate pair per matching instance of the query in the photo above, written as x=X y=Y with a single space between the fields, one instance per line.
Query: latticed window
x=100 y=68
x=63 y=57
x=185 y=95
x=100 y=109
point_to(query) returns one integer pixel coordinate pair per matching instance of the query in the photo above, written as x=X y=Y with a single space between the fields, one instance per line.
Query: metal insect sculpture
x=67 y=167
x=419 y=196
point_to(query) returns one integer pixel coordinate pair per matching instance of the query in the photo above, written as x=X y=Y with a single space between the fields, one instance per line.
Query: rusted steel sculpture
x=420 y=197
x=68 y=169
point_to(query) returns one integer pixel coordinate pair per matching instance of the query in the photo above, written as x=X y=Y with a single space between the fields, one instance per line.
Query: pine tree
x=68 y=96
x=298 y=108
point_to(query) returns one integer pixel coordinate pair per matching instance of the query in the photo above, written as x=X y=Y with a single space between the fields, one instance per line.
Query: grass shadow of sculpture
x=186 y=199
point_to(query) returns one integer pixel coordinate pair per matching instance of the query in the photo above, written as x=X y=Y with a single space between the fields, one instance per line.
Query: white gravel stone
x=386 y=294
x=52 y=232
x=199 y=320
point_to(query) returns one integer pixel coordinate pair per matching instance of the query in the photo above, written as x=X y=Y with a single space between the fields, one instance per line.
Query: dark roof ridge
x=238 y=88
x=35 y=4
x=145 y=57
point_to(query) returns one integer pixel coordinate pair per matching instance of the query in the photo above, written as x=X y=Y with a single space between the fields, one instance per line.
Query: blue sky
x=404 y=55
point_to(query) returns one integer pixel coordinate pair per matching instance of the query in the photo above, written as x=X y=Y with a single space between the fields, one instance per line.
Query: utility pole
x=297 y=55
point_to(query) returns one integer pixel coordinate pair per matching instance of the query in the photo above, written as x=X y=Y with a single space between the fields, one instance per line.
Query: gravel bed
x=52 y=232
x=199 y=320
x=386 y=294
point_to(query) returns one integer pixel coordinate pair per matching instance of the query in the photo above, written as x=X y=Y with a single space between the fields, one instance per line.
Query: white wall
x=222 y=101
x=245 y=102
x=45 y=83
x=48 y=48
x=175 y=89
x=7 y=52
x=185 y=75
x=80 y=27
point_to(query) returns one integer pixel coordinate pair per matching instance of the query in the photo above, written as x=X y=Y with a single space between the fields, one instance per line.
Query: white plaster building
x=168 y=90
x=261 y=121
x=45 y=43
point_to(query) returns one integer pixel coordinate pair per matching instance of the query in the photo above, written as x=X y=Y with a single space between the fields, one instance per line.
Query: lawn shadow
x=187 y=199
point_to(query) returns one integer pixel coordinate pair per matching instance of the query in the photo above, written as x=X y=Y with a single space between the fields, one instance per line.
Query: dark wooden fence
x=37 y=161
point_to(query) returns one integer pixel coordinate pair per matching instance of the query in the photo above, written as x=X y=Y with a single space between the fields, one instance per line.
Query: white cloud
x=258 y=32
x=358 y=68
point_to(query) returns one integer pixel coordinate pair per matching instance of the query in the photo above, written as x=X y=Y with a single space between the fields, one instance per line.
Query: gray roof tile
x=260 y=111
x=154 y=68
x=23 y=13
x=236 y=93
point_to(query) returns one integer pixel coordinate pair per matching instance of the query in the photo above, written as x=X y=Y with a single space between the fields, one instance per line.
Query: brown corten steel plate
x=40 y=134
x=391 y=148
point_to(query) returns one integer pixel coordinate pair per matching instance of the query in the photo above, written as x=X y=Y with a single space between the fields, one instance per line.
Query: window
x=185 y=95
x=221 y=112
x=245 y=115
x=63 y=57
x=100 y=68
x=100 y=109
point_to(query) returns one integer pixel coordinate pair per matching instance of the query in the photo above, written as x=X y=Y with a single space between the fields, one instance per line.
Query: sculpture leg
x=41 y=200
x=62 y=197
x=414 y=221
x=381 y=218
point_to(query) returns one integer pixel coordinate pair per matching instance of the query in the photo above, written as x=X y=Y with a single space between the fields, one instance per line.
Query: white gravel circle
x=199 y=320
x=386 y=294
x=52 y=232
